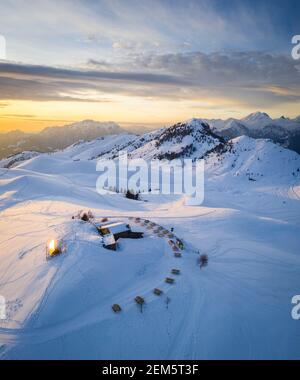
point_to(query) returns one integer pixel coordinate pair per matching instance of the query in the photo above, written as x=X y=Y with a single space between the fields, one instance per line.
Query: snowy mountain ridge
x=257 y=120
x=192 y=139
x=53 y=138
x=83 y=127
x=282 y=130
x=17 y=158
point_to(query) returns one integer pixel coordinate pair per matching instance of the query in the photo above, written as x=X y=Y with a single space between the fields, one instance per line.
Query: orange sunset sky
x=143 y=65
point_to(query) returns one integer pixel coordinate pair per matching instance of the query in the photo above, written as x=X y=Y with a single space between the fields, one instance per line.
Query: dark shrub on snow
x=203 y=260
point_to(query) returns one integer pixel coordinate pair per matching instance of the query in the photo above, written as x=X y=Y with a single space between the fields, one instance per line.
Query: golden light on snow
x=52 y=246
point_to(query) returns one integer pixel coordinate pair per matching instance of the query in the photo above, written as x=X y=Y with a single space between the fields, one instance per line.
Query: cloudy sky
x=147 y=63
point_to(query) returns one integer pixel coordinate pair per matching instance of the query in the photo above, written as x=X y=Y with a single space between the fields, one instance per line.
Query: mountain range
x=53 y=138
x=283 y=131
x=253 y=159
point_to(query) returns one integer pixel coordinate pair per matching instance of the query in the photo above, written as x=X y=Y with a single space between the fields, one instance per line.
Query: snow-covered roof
x=116 y=227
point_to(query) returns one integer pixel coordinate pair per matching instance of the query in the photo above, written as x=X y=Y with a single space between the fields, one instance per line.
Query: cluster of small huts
x=175 y=243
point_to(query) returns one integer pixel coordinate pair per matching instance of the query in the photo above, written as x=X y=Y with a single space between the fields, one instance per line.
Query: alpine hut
x=112 y=231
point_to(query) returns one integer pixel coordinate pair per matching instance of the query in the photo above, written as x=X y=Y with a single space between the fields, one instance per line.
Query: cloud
x=34 y=118
x=39 y=71
x=36 y=82
x=289 y=94
x=250 y=78
x=224 y=67
x=66 y=29
x=13 y=115
x=99 y=64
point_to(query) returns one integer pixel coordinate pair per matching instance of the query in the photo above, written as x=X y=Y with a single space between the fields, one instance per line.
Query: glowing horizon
x=133 y=64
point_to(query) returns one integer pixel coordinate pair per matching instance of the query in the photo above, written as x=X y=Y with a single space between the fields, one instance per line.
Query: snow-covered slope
x=256 y=159
x=94 y=149
x=15 y=159
x=239 y=306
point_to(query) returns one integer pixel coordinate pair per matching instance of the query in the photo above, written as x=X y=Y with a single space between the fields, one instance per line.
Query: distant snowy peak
x=257 y=119
x=109 y=126
x=85 y=127
x=283 y=130
x=64 y=136
x=55 y=138
x=260 y=120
